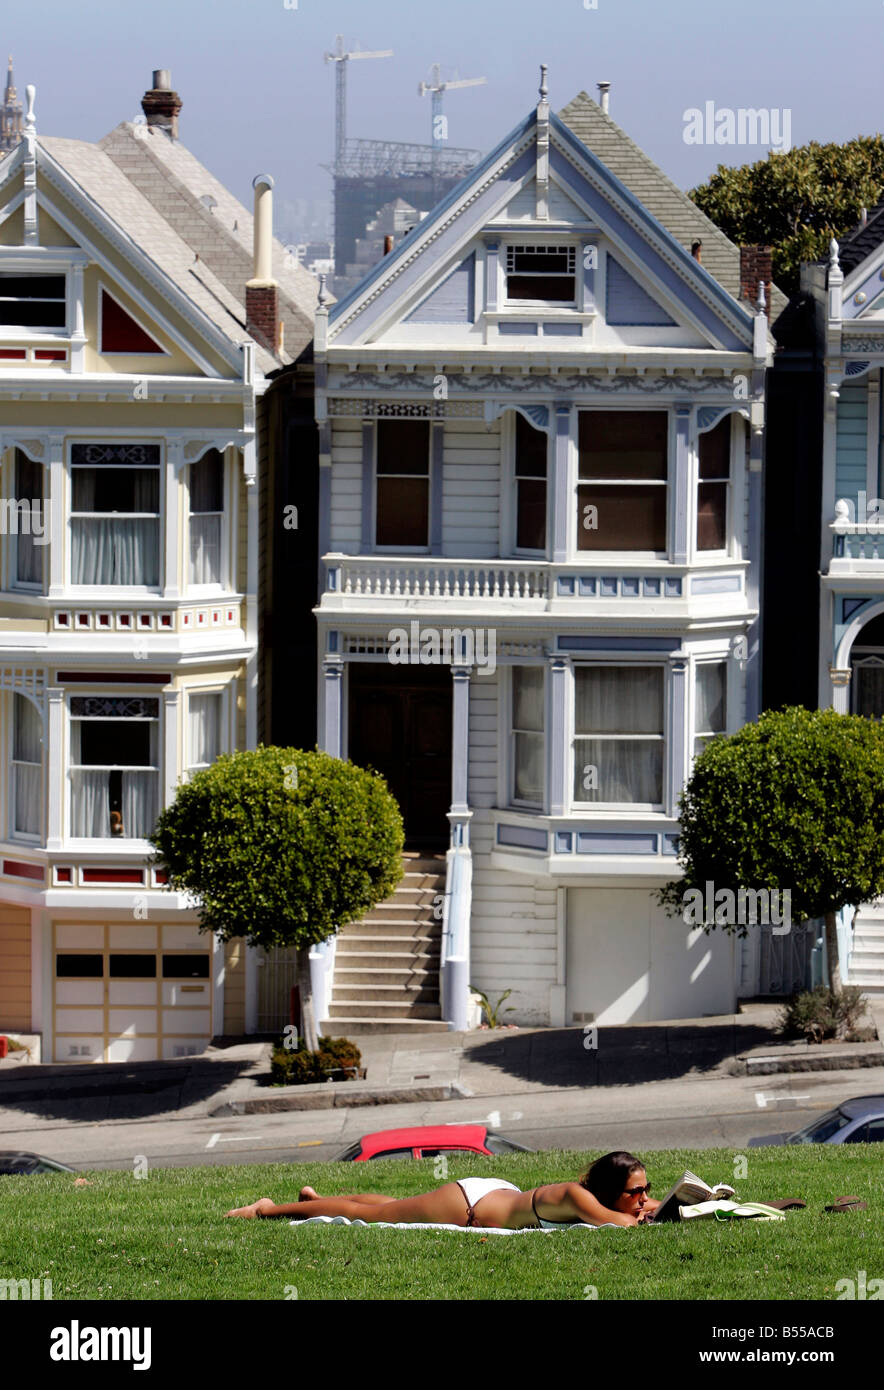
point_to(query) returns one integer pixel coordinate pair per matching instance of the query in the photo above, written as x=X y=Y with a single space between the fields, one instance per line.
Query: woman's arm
x=590 y=1209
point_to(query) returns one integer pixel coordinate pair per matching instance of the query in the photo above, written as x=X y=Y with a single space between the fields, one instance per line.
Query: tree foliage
x=793 y=802
x=281 y=846
x=796 y=200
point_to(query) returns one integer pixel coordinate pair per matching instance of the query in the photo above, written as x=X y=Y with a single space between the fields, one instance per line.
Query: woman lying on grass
x=614 y=1191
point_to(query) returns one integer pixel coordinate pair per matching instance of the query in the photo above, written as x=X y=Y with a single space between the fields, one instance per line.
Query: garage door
x=130 y=993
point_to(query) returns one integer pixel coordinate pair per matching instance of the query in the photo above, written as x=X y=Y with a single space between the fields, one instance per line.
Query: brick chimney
x=161 y=105
x=262 y=291
x=755 y=266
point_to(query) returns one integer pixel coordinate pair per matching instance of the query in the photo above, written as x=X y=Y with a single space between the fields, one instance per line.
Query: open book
x=688 y=1190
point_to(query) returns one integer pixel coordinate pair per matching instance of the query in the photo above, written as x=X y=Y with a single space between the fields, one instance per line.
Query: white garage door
x=130 y=992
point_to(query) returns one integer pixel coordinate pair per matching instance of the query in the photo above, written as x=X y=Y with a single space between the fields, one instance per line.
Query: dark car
x=856 y=1121
x=13 y=1161
x=427 y=1141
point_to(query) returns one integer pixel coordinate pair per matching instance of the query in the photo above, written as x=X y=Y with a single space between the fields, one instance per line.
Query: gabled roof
x=862 y=241
x=672 y=208
x=175 y=182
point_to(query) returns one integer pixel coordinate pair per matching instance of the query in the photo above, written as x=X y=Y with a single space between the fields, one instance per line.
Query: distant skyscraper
x=10 y=115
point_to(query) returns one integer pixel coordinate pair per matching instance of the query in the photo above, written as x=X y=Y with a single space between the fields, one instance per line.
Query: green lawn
x=165 y=1237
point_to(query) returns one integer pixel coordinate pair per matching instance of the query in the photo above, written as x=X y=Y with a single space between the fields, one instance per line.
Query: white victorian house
x=541 y=424
x=133 y=358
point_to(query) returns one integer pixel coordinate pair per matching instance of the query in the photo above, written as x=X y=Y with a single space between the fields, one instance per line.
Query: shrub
x=821 y=1013
x=302 y=1067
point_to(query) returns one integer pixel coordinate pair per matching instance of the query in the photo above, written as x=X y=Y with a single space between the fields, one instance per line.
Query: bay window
x=618 y=734
x=114 y=766
x=115 y=514
x=27 y=768
x=622 y=480
x=206 y=513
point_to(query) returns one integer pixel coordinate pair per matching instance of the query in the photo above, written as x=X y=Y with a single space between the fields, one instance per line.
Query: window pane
x=207 y=483
x=29 y=488
x=27 y=731
x=531 y=449
x=868 y=682
x=403 y=507
x=711 y=698
x=182 y=967
x=118 y=743
x=203 y=729
x=33 y=301
x=403 y=446
x=528 y=763
x=110 y=551
x=554 y=288
x=133 y=967
x=115 y=490
x=715 y=450
x=618 y=699
x=528 y=697
x=72 y=967
x=531 y=514
x=205 y=549
x=622 y=444
x=626 y=518
x=712 y=516
x=622 y=770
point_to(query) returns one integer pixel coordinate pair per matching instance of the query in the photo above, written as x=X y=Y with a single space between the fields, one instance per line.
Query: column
x=333 y=671
x=681 y=484
x=78 y=333
x=171 y=518
x=55 y=778
x=558 y=799
x=492 y=252
x=840 y=689
x=677 y=734
x=437 y=445
x=252 y=610
x=368 y=432
x=460 y=741
x=560 y=488
x=169 y=774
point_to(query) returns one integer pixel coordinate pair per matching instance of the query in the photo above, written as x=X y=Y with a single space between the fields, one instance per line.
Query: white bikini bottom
x=474 y=1189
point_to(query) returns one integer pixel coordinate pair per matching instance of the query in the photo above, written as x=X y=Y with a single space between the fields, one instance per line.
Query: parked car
x=856 y=1121
x=12 y=1161
x=427 y=1141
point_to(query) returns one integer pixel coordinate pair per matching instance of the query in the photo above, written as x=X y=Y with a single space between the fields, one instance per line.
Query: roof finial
x=31 y=94
x=543 y=87
x=833 y=255
x=323 y=292
x=761 y=301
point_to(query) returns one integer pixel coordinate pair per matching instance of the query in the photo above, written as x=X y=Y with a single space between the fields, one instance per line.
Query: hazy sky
x=258 y=96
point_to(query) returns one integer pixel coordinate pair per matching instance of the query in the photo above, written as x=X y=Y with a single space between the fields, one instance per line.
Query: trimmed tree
x=282 y=847
x=794 y=803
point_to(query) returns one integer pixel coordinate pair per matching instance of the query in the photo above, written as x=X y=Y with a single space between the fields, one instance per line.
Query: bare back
x=558 y=1201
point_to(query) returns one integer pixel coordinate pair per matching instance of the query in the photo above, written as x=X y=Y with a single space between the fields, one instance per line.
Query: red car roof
x=426 y=1136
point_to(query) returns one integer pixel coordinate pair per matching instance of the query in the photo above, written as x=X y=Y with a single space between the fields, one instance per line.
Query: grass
x=165 y=1237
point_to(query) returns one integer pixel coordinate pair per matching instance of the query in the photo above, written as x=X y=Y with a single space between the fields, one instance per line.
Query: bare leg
x=369 y=1199
x=445 y=1205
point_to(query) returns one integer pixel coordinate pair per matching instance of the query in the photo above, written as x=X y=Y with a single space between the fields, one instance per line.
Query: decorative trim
x=522 y=837
x=497 y=383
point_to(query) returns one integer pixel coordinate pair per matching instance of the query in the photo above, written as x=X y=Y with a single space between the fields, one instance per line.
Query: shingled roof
x=862 y=241
x=672 y=208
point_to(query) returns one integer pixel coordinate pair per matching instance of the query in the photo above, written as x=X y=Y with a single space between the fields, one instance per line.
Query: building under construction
x=370 y=175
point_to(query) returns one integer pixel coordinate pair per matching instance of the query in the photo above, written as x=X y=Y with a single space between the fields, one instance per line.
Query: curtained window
x=712 y=488
x=531 y=449
x=623 y=476
x=27 y=768
x=115 y=515
x=403 y=483
x=206 y=513
x=114 y=767
x=203 y=730
x=618 y=734
x=527 y=735
x=711 y=703
x=31 y=520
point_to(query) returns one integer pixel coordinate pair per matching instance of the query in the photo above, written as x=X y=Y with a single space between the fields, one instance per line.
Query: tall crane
x=342 y=58
x=437 y=87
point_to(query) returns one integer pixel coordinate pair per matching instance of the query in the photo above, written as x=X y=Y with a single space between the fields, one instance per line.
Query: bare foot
x=308 y=1194
x=259 y=1208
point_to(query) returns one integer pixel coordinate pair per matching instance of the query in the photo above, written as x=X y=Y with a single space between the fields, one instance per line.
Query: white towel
x=442 y=1226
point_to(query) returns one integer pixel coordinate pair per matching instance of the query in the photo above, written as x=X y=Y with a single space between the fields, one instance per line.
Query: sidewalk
x=228 y=1078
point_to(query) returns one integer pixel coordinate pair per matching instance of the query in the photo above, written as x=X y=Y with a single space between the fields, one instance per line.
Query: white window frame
x=23 y=836
x=733 y=490
x=101 y=592
x=11 y=580
x=626 y=808
x=538 y=242
x=509 y=511
x=127 y=842
x=225 y=584
x=378 y=549
x=721 y=659
x=628 y=557
x=46 y=260
x=509 y=761
x=223 y=723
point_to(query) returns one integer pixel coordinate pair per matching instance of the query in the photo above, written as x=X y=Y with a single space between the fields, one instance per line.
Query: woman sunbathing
x=614 y=1191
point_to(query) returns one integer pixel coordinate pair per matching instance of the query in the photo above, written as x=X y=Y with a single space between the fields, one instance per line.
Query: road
x=723 y=1112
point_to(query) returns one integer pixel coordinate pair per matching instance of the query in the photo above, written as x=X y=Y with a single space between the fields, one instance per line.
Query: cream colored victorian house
x=133 y=359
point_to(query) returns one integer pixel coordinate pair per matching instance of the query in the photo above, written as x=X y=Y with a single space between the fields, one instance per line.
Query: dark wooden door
x=401 y=726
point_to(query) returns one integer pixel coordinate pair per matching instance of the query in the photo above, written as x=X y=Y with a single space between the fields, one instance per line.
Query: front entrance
x=400 y=724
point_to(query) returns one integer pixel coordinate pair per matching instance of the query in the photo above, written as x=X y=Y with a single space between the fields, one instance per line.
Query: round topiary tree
x=793 y=803
x=282 y=847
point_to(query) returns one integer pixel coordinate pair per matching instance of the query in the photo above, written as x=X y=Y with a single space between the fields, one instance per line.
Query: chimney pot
x=697 y=251
x=604 y=94
x=262 y=291
x=161 y=105
x=388 y=244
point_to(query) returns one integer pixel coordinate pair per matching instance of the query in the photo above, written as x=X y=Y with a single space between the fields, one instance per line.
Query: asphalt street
x=690 y=1112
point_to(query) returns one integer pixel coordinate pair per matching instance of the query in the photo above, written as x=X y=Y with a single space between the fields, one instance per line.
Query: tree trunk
x=832 y=953
x=308 y=1022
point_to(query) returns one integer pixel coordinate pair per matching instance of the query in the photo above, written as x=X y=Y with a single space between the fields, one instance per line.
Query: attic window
x=541 y=274
x=120 y=332
x=32 y=301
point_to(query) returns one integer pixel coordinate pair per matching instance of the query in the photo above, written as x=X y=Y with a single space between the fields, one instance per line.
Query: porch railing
x=389 y=577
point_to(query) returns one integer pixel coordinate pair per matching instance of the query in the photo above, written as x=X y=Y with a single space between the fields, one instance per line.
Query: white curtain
x=206 y=503
x=139 y=806
x=203 y=729
x=528 y=759
x=115 y=549
x=711 y=687
x=618 y=701
x=90 y=803
x=27 y=767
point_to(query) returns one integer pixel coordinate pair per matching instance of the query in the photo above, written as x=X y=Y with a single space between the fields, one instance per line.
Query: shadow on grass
x=623 y=1055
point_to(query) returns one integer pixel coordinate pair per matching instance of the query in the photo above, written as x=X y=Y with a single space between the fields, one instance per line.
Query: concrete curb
x=838 y=1058
x=335 y=1096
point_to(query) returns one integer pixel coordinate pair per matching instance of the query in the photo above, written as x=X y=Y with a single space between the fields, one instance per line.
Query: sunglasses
x=635 y=1191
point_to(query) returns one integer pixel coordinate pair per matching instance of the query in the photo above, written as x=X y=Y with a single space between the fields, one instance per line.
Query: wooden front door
x=400 y=724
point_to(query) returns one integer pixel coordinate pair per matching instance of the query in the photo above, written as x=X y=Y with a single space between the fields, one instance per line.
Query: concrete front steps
x=386 y=976
x=866 y=960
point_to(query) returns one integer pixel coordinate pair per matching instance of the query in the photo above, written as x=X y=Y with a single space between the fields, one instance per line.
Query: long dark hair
x=606 y=1179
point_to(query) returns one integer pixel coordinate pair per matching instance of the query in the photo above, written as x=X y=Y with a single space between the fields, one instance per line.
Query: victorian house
x=142 y=309
x=540 y=429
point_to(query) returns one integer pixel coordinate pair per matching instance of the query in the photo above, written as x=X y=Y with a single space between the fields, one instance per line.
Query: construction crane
x=342 y=58
x=437 y=87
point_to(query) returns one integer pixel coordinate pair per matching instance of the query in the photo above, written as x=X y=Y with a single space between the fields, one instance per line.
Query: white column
x=55 y=779
x=840 y=689
x=333 y=671
x=252 y=611
x=677 y=734
x=54 y=483
x=172 y=581
x=78 y=334
x=460 y=740
x=557 y=759
x=171 y=706
x=560 y=489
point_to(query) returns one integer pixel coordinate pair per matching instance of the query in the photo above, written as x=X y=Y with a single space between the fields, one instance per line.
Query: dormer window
x=32 y=301
x=541 y=274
